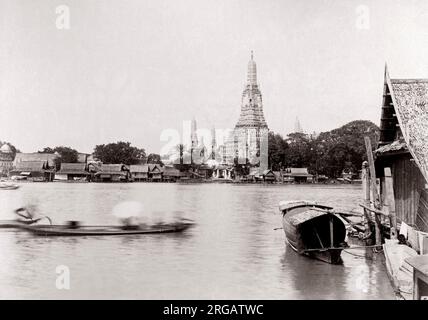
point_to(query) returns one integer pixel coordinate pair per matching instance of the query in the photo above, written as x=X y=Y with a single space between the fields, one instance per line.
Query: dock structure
x=395 y=179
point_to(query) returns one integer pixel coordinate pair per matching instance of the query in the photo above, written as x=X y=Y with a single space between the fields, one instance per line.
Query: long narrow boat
x=75 y=230
x=7 y=186
x=313 y=230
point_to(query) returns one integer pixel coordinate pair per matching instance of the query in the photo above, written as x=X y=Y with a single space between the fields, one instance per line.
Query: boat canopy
x=307 y=215
x=290 y=204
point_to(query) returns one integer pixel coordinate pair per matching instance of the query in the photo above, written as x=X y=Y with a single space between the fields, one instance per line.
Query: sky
x=129 y=70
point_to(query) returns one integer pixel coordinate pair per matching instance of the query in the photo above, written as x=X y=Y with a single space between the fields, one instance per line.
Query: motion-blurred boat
x=8 y=186
x=313 y=230
x=77 y=230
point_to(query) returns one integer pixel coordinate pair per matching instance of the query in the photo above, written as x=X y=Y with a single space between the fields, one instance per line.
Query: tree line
x=330 y=153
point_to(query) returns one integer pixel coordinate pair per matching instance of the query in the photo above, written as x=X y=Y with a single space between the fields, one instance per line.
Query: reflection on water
x=232 y=252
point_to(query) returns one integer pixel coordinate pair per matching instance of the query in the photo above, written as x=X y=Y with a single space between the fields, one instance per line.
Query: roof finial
x=251 y=54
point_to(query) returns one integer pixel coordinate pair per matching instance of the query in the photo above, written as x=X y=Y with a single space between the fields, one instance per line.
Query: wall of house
x=411 y=198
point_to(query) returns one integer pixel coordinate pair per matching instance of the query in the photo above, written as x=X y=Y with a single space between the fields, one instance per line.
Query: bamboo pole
x=390 y=200
x=366 y=195
x=375 y=194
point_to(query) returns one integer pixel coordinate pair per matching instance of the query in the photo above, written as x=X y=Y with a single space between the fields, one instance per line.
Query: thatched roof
x=113 y=169
x=395 y=146
x=171 y=172
x=31 y=166
x=297 y=172
x=73 y=168
x=155 y=167
x=47 y=157
x=135 y=168
x=268 y=172
x=410 y=107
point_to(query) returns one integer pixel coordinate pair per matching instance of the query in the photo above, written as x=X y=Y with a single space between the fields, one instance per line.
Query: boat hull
x=307 y=231
x=61 y=230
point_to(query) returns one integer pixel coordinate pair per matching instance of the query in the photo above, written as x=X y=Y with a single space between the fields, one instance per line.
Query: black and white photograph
x=228 y=150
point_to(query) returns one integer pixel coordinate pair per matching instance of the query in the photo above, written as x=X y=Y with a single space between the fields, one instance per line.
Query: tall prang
x=251 y=131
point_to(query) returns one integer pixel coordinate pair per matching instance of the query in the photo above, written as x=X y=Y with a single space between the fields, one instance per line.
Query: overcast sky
x=126 y=70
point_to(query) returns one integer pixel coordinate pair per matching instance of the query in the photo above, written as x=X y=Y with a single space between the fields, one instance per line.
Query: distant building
x=139 y=172
x=249 y=137
x=73 y=171
x=38 y=170
x=269 y=176
x=171 y=174
x=113 y=173
x=49 y=158
x=297 y=126
x=297 y=175
x=6 y=160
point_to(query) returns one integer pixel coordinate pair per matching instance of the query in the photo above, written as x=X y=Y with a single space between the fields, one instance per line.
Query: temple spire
x=252 y=71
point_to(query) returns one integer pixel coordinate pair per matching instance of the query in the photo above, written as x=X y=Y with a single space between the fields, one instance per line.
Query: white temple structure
x=249 y=140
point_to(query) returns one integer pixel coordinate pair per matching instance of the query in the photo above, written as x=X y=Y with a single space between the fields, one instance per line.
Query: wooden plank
x=378 y=212
x=390 y=201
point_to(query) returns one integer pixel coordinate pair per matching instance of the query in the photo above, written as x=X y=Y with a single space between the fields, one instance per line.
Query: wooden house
x=73 y=171
x=155 y=172
x=269 y=176
x=403 y=148
x=33 y=171
x=171 y=174
x=297 y=175
x=139 y=172
x=113 y=173
x=49 y=158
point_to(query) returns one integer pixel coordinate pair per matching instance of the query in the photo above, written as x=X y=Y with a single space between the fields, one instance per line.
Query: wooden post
x=366 y=195
x=331 y=233
x=390 y=201
x=375 y=194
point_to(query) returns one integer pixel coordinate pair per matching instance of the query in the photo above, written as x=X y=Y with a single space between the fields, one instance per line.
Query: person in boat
x=27 y=215
x=129 y=223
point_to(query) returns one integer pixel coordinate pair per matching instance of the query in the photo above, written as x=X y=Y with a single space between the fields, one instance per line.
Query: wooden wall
x=411 y=198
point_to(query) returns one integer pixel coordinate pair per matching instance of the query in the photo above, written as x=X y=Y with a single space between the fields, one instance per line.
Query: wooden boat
x=313 y=230
x=76 y=230
x=7 y=186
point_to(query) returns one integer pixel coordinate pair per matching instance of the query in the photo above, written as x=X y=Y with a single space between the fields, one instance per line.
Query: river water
x=233 y=251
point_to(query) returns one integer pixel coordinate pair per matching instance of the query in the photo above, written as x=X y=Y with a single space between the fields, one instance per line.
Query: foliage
x=277 y=153
x=65 y=155
x=154 y=158
x=330 y=153
x=119 y=152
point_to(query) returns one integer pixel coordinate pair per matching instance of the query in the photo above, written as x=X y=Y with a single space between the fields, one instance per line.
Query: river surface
x=233 y=251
